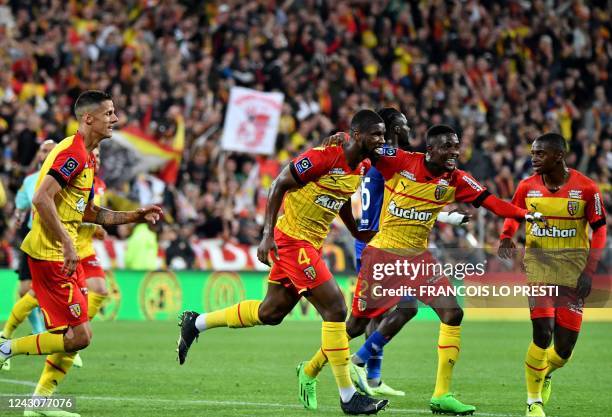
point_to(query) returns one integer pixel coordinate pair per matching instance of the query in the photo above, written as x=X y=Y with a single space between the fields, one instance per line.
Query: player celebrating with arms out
x=62 y=201
x=417 y=187
x=314 y=187
x=571 y=202
x=397 y=133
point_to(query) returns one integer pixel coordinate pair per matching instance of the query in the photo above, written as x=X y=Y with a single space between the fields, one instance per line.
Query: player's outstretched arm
x=504 y=209
x=280 y=186
x=105 y=217
x=44 y=202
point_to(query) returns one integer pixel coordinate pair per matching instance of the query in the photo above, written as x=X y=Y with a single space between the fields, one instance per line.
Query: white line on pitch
x=226 y=403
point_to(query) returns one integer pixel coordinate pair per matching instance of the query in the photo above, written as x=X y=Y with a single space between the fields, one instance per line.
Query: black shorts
x=24 y=269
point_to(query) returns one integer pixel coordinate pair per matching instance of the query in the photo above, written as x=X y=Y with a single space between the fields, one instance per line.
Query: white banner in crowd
x=251 y=121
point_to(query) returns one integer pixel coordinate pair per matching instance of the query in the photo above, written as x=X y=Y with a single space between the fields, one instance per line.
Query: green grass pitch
x=131 y=370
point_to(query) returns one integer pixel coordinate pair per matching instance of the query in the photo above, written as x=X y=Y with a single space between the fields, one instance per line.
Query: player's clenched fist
x=71 y=259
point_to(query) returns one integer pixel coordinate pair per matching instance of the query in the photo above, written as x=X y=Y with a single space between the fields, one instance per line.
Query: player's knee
x=542 y=335
x=270 y=316
x=564 y=351
x=335 y=313
x=452 y=316
x=78 y=342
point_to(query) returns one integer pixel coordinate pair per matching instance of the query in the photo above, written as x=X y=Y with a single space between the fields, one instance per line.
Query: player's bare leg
x=279 y=302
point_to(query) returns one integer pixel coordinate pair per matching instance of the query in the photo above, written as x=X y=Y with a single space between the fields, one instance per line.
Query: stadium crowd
x=499 y=72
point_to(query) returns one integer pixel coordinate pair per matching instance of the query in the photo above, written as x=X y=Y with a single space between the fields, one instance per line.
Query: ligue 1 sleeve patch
x=69 y=166
x=303 y=165
x=390 y=151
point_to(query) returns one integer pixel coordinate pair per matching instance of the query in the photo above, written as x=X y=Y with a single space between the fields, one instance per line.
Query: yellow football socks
x=21 y=310
x=449 y=344
x=243 y=314
x=335 y=346
x=535 y=370
x=554 y=360
x=94 y=303
x=38 y=344
x=56 y=367
x=317 y=362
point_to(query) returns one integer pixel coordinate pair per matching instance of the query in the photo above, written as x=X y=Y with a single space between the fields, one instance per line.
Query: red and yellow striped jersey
x=73 y=168
x=84 y=245
x=414 y=197
x=569 y=211
x=328 y=183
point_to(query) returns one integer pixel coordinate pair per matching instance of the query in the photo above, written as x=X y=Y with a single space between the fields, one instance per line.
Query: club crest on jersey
x=310 y=273
x=440 y=191
x=303 y=165
x=362 y=304
x=75 y=310
x=69 y=166
x=572 y=207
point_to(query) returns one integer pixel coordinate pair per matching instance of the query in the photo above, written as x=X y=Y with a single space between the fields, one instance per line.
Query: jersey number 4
x=303 y=258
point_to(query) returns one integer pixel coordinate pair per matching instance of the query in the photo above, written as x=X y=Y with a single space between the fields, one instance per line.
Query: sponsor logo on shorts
x=303 y=165
x=69 y=166
x=576 y=307
x=310 y=273
x=75 y=310
x=329 y=202
x=408 y=214
x=572 y=207
x=94 y=262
